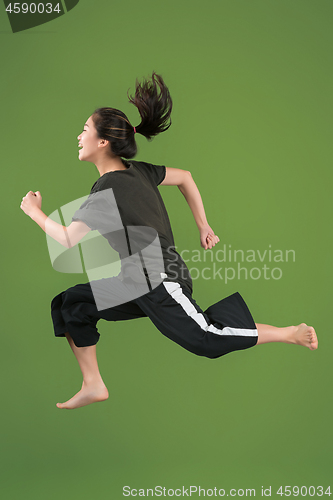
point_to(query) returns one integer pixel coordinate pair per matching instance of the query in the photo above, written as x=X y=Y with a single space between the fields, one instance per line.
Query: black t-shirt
x=133 y=199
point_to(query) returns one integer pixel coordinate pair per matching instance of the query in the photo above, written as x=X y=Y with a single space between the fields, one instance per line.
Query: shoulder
x=103 y=182
x=155 y=173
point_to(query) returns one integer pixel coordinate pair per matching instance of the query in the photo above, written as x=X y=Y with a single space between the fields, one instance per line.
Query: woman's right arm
x=66 y=236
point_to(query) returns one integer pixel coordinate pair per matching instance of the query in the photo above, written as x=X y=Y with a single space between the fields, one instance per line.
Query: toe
x=314 y=341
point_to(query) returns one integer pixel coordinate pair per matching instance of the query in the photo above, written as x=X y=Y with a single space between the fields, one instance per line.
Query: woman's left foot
x=90 y=393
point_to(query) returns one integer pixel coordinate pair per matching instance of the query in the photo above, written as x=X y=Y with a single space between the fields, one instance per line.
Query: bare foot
x=89 y=393
x=305 y=335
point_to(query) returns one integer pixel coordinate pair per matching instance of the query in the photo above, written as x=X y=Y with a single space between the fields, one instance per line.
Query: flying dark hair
x=154 y=103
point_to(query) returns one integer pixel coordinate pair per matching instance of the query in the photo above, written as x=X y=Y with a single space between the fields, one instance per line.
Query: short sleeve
x=155 y=173
x=99 y=211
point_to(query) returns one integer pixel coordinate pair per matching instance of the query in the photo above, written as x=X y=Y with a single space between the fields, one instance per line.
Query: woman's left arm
x=183 y=179
x=66 y=236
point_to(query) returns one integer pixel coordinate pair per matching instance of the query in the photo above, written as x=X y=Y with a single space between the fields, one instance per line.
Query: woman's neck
x=110 y=165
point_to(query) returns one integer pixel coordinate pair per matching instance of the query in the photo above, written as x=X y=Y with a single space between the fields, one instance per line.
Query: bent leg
x=75 y=315
x=93 y=388
x=224 y=327
x=74 y=311
x=301 y=335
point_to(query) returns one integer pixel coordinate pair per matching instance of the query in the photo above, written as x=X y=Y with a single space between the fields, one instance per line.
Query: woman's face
x=90 y=142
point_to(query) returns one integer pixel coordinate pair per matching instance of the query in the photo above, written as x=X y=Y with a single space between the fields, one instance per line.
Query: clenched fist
x=30 y=202
x=207 y=237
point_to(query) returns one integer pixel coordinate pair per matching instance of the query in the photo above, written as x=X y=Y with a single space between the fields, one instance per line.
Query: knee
x=212 y=355
x=56 y=302
x=207 y=352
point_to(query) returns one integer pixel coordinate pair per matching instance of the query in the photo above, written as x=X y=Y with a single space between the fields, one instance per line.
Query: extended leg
x=93 y=388
x=302 y=335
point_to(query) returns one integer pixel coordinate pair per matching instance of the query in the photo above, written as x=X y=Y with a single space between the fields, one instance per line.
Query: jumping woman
x=126 y=208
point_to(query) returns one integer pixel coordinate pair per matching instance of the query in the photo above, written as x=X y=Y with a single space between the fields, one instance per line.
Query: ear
x=103 y=143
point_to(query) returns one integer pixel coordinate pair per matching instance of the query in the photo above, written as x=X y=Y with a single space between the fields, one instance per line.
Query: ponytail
x=154 y=107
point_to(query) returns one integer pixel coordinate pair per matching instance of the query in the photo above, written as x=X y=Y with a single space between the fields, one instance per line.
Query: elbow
x=187 y=178
x=66 y=240
x=69 y=243
x=65 y=244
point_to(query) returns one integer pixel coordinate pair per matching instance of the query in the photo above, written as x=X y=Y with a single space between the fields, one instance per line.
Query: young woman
x=125 y=206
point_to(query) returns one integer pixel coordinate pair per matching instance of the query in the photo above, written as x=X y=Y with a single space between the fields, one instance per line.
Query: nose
x=79 y=137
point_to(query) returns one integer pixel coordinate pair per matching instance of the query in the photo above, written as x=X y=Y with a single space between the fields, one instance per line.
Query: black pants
x=222 y=328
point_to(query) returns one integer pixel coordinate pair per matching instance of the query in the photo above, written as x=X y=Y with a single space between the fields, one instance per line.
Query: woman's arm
x=183 y=179
x=66 y=236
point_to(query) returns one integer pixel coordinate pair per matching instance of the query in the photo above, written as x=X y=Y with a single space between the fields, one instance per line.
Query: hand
x=208 y=238
x=30 y=202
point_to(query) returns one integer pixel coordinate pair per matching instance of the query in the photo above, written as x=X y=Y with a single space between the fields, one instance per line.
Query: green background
x=251 y=83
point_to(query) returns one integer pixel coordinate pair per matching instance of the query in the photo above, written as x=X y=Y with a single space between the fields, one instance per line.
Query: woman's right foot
x=305 y=335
